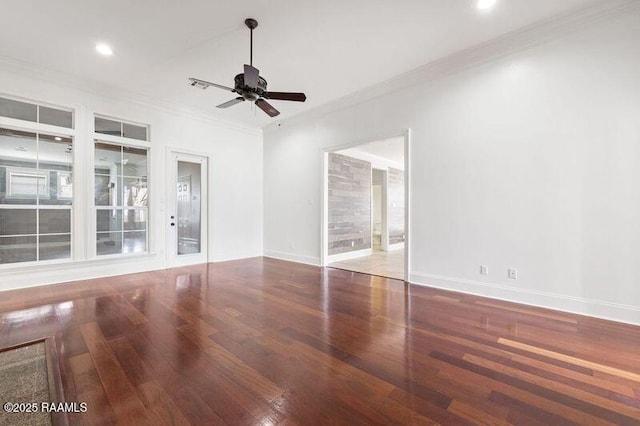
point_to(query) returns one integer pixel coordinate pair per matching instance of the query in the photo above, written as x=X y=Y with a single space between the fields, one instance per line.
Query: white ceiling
x=327 y=49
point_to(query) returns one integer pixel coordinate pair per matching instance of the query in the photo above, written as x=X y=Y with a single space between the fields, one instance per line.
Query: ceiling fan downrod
x=252 y=24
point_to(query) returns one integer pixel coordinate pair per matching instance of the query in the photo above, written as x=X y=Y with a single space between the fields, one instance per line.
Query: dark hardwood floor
x=267 y=342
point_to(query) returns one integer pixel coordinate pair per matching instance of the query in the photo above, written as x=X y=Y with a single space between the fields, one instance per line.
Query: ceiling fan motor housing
x=241 y=88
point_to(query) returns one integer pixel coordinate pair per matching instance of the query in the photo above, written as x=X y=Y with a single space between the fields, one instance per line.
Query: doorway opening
x=366 y=208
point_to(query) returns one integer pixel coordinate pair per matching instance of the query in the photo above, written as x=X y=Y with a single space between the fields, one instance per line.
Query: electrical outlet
x=512 y=273
x=484 y=270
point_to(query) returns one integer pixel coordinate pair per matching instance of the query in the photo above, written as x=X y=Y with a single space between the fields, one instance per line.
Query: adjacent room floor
x=389 y=264
x=263 y=341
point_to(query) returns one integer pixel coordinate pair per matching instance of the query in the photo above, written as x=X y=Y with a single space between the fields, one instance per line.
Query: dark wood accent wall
x=349 y=205
x=395 y=209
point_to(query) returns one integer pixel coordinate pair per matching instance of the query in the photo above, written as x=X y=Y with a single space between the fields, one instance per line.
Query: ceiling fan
x=250 y=85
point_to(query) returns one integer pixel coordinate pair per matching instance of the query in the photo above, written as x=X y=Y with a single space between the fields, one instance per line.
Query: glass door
x=188 y=209
x=188 y=219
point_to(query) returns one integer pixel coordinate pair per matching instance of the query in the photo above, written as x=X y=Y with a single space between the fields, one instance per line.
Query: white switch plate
x=484 y=270
x=512 y=273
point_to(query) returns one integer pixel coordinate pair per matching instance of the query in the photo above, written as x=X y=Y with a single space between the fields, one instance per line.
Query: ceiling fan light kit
x=250 y=85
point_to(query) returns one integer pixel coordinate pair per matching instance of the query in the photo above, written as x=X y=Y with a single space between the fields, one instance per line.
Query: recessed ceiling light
x=104 y=49
x=486 y=4
x=58 y=138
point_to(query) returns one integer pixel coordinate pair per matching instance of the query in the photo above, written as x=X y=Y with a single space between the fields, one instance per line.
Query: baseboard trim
x=65 y=272
x=349 y=255
x=218 y=259
x=576 y=305
x=307 y=260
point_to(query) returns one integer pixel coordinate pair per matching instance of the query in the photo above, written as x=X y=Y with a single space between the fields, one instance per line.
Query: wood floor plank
x=244 y=374
x=528 y=311
x=571 y=374
x=626 y=416
x=89 y=390
x=574 y=360
x=161 y=405
x=631 y=408
x=266 y=342
x=114 y=381
x=475 y=415
x=542 y=403
x=531 y=411
x=132 y=365
x=538 y=403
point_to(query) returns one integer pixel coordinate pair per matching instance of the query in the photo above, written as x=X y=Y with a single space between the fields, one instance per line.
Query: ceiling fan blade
x=231 y=102
x=286 y=96
x=251 y=76
x=202 y=84
x=267 y=107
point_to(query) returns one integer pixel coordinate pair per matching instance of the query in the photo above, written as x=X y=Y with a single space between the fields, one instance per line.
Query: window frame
x=122 y=123
x=39 y=129
x=100 y=138
x=27 y=125
x=82 y=227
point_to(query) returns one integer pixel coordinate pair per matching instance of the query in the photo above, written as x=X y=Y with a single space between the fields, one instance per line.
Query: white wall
x=235 y=177
x=530 y=161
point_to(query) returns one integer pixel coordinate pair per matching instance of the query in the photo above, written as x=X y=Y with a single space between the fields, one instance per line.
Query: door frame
x=406 y=134
x=173 y=156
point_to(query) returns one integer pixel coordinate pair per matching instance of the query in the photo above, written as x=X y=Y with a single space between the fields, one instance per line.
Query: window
x=25 y=183
x=36 y=192
x=107 y=126
x=11 y=108
x=121 y=199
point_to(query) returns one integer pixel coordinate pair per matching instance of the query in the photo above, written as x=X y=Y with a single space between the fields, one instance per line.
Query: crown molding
x=112 y=92
x=530 y=36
